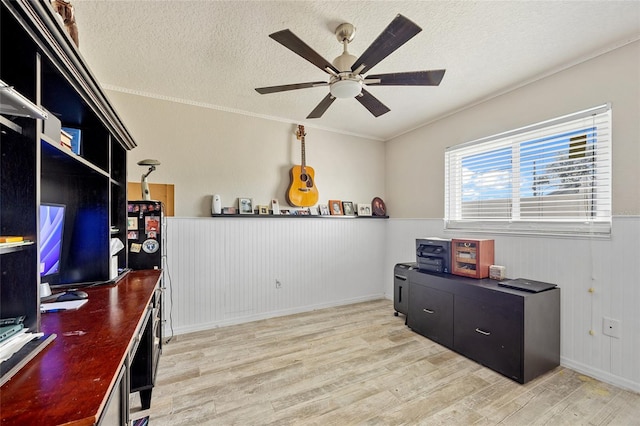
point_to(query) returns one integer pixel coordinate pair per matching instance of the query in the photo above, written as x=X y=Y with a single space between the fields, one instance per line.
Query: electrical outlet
x=278 y=284
x=611 y=327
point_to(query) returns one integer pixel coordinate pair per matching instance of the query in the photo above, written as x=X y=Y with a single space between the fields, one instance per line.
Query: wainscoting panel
x=610 y=268
x=231 y=270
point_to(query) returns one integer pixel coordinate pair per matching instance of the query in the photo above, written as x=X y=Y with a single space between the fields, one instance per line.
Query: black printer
x=433 y=254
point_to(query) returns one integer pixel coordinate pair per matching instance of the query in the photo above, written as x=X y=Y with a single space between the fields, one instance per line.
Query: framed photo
x=378 y=207
x=132 y=223
x=347 y=208
x=285 y=212
x=313 y=211
x=263 y=210
x=151 y=224
x=228 y=210
x=324 y=209
x=364 y=209
x=245 y=206
x=335 y=207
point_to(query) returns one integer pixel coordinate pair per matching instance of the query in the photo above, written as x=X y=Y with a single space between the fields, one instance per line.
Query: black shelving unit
x=40 y=62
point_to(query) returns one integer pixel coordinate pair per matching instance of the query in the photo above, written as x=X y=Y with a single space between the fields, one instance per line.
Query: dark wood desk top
x=69 y=382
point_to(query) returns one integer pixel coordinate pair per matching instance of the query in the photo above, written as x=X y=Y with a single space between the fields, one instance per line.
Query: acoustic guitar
x=302 y=191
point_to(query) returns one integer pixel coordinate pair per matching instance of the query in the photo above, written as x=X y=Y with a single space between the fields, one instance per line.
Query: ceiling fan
x=347 y=73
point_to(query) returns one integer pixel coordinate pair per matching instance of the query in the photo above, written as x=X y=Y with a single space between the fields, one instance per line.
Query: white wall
x=204 y=151
x=415 y=189
x=415 y=161
x=223 y=270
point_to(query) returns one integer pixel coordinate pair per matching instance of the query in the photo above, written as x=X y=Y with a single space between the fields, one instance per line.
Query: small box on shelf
x=471 y=258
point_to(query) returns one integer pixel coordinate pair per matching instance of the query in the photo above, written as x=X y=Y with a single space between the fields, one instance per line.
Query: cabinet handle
x=429 y=311
x=400 y=277
x=485 y=333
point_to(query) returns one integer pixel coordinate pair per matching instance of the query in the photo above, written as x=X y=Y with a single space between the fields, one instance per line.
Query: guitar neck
x=304 y=162
x=301 y=136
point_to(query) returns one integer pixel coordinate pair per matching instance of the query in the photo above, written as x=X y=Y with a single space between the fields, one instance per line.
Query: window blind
x=552 y=177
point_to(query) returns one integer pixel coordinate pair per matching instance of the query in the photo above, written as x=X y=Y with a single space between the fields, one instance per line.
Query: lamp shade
x=346 y=88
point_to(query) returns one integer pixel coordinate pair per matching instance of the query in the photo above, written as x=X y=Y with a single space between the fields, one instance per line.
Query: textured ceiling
x=214 y=53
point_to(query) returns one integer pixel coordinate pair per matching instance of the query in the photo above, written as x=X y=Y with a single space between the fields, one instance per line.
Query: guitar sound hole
x=303 y=177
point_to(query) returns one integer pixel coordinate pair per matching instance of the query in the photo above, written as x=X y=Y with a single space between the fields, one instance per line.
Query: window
x=552 y=177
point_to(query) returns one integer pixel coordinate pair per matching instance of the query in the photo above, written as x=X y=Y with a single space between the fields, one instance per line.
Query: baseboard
x=273 y=314
x=601 y=375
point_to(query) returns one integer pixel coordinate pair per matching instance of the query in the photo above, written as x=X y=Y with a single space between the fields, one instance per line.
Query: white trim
x=232 y=110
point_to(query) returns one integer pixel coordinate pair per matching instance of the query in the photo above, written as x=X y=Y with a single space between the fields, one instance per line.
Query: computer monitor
x=52 y=217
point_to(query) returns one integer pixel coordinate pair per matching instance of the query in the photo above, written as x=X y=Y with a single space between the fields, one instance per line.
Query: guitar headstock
x=300 y=134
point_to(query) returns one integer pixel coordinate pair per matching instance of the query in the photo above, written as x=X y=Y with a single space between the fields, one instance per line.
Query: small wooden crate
x=471 y=258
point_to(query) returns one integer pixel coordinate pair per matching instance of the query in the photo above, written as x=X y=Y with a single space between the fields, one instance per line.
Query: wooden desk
x=71 y=380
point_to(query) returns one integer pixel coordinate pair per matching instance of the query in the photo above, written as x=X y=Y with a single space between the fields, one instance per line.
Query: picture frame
x=275 y=206
x=364 y=209
x=263 y=210
x=245 y=205
x=151 y=224
x=324 y=209
x=132 y=223
x=347 y=208
x=378 y=207
x=228 y=210
x=313 y=211
x=335 y=207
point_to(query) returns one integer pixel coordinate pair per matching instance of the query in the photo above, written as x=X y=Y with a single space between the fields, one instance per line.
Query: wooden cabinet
x=41 y=64
x=513 y=332
x=471 y=258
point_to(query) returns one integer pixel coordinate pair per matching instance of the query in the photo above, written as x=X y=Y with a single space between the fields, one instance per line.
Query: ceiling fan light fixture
x=346 y=88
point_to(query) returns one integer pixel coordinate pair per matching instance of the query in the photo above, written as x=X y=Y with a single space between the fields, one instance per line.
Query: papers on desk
x=16 y=342
x=69 y=305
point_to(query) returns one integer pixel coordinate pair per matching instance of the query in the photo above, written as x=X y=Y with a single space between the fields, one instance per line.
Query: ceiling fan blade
x=372 y=103
x=322 y=107
x=397 y=33
x=284 y=88
x=293 y=43
x=411 y=78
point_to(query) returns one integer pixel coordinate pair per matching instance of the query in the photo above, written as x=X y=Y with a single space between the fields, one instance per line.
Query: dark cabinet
x=490 y=333
x=513 y=332
x=144 y=364
x=401 y=287
x=431 y=314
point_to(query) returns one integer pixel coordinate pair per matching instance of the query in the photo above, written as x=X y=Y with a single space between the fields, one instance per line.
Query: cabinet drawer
x=431 y=313
x=490 y=333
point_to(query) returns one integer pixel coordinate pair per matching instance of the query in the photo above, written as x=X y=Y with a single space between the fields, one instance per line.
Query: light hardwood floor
x=359 y=364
